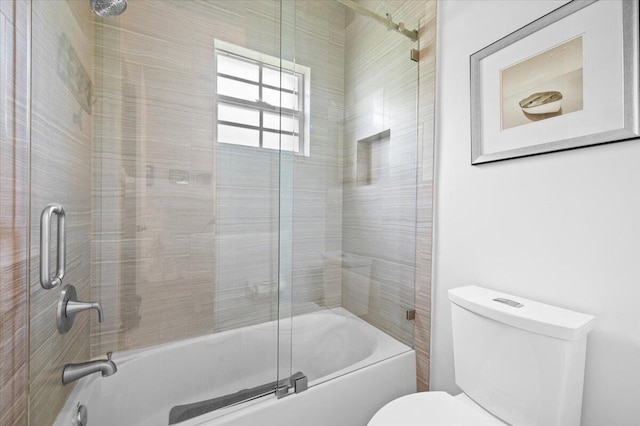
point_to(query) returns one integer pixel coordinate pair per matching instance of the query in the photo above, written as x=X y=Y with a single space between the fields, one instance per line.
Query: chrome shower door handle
x=46 y=280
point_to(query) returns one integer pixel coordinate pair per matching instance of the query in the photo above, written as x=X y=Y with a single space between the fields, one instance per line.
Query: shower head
x=107 y=8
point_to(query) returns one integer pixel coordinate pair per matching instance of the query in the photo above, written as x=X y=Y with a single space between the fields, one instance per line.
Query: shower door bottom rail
x=180 y=413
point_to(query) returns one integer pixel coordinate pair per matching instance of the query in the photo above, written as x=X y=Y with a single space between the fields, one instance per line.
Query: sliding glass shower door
x=354 y=187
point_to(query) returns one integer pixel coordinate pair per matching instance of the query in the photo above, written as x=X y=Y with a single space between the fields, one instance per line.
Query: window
x=259 y=102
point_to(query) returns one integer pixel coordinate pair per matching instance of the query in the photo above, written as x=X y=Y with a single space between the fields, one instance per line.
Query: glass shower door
x=290 y=143
x=61 y=175
x=354 y=194
x=155 y=131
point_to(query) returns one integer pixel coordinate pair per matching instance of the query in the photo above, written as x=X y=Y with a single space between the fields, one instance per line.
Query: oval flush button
x=509 y=302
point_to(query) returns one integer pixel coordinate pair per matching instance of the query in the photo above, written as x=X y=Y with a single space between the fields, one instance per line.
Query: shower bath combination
x=189 y=222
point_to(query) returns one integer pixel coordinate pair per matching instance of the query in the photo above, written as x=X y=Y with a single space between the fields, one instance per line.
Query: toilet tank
x=521 y=360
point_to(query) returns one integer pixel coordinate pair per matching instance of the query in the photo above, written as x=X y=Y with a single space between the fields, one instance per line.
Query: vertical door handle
x=46 y=280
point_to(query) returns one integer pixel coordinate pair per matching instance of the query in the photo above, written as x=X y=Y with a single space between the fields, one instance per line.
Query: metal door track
x=180 y=413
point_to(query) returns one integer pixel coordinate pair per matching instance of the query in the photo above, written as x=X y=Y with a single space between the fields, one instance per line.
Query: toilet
x=518 y=362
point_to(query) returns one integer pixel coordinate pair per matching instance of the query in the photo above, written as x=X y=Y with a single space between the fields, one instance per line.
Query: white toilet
x=518 y=362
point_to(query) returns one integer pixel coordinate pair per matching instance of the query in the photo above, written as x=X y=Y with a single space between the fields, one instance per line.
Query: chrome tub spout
x=73 y=372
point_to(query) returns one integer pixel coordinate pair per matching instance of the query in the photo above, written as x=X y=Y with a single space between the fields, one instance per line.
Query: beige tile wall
x=250 y=181
x=14 y=192
x=317 y=191
x=166 y=255
x=152 y=230
x=159 y=269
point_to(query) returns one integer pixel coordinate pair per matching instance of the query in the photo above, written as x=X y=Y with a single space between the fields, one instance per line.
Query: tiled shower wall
x=379 y=211
x=153 y=217
x=379 y=195
x=14 y=199
x=182 y=224
x=248 y=185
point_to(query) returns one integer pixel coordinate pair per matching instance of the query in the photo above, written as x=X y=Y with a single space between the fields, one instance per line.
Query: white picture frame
x=567 y=80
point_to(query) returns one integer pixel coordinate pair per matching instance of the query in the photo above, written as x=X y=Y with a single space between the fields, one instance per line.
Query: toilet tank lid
x=523 y=313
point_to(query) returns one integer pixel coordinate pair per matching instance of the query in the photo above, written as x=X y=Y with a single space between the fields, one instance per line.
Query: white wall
x=562 y=228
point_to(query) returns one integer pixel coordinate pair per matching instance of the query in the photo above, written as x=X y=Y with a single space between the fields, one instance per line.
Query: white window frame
x=263 y=60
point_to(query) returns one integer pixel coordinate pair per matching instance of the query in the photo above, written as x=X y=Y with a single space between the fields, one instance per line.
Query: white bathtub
x=326 y=346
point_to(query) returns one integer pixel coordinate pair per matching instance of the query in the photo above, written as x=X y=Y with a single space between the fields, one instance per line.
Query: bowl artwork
x=542 y=103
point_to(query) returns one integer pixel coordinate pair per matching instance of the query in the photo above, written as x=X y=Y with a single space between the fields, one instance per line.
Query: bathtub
x=352 y=368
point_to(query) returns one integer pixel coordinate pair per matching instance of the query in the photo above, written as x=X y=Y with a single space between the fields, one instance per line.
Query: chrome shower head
x=107 y=8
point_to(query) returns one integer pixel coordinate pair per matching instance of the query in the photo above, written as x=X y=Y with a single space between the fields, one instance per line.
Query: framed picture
x=566 y=80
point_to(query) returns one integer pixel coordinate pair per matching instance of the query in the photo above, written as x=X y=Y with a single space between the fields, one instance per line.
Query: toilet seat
x=433 y=409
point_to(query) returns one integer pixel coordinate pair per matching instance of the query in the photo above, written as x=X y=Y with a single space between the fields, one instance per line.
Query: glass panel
x=368 y=270
x=274 y=121
x=273 y=77
x=289 y=143
x=238 y=68
x=273 y=140
x=238 y=89
x=238 y=135
x=62 y=117
x=238 y=115
x=275 y=97
x=286 y=287
x=290 y=81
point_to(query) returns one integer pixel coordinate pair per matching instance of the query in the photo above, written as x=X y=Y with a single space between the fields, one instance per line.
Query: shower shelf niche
x=372 y=158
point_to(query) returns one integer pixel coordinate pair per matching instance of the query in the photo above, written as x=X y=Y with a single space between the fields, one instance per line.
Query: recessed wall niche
x=373 y=159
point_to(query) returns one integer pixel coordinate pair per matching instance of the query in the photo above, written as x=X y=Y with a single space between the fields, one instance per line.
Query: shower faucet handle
x=69 y=306
x=74 y=307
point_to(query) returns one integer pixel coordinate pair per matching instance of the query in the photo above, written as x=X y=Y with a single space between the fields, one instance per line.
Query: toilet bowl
x=434 y=409
x=517 y=361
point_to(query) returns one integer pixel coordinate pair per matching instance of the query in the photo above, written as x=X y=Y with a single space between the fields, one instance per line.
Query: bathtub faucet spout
x=73 y=372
